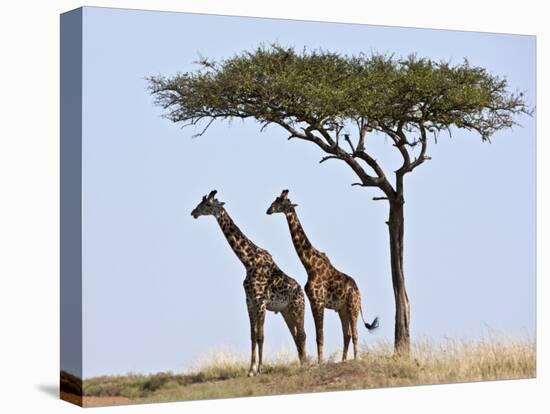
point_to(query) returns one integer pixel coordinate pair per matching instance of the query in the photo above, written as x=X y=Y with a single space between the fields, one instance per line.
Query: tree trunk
x=402 y=308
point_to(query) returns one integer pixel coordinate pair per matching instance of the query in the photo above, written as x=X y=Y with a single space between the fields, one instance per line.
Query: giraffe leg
x=353 y=317
x=295 y=323
x=253 y=340
x=318 y=310
x=346 y=331
x=260 y=336
x=300 y=336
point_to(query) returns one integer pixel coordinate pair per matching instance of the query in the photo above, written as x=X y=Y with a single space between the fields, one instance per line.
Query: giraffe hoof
x=250 y=373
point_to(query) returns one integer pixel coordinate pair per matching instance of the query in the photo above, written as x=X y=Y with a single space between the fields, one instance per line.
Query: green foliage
x=322 y=90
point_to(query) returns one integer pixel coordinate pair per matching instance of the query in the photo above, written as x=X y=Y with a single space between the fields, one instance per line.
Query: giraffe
x=266 y=286
x=326 y=286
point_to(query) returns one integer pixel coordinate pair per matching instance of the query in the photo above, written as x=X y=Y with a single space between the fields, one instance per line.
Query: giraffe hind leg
x=295 y=321
x=346 y=331
x=353 y=318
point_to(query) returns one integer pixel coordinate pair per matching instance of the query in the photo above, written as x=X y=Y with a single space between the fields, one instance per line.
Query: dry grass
x=222 y=374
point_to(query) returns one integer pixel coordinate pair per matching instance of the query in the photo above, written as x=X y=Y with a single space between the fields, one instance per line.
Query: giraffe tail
x=370 y=326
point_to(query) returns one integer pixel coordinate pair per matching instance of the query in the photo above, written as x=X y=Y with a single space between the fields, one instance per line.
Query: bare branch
x=422 y=156
x=362 y=134
x=399 y=141
x=380 y=198
x=307 y=135
x=325 y=135
x=264 y=126
x=366 y=179
x=367 y=184
x=348 y=140
x=404 y=153
x=204 y=130
x=371 y=163
x=329 y=157
x=380 y=179
x=338 y=153
x=413 y=143
x=338 y=129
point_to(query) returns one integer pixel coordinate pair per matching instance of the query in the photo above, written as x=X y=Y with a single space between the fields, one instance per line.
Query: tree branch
x=338 y=153
x=362 y=185
x=371 y=163
x=362 y=134
x=200 y=134
x=325 y=135
x=358 y=152
x=348 y=140
x=422 y=156
x=367 y=179
x=329 y=157
x=306 y=135
x=399 y=141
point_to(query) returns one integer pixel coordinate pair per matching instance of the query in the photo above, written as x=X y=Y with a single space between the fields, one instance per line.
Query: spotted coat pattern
x=266 y=287
x=326 y=286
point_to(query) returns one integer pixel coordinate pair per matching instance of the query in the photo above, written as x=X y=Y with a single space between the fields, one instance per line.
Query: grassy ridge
x=224 y=375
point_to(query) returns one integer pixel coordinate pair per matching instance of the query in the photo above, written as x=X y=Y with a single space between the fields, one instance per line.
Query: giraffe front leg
x=318 y=310
x=253 y=341
x=253 y=337
x=260 y=335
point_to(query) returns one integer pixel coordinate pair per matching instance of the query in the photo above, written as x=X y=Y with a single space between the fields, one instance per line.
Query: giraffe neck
x=241 y=245
x=306 y=252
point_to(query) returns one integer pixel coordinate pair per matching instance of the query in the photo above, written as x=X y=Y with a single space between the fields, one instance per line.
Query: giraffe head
x=282 y=204
x=209 y=206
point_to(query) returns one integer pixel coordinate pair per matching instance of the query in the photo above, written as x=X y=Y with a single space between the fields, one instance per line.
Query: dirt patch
x=72 y=398
x=93 y=401
x=104 y=401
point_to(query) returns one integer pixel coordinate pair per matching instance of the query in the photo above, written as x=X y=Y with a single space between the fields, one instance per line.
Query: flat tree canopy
x=321 y=89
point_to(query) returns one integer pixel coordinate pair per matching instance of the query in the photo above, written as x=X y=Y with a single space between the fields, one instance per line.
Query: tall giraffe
x=326 y=286
x=266 y=286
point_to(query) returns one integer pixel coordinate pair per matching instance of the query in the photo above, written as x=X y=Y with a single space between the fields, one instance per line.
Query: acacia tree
x=334 y=101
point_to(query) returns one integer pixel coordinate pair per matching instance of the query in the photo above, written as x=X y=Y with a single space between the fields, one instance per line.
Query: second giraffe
x=326 y=286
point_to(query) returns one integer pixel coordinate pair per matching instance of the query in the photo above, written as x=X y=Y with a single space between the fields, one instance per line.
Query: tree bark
x=402 y=308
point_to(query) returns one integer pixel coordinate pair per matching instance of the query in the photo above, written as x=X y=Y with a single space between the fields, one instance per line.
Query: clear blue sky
x=160 y=288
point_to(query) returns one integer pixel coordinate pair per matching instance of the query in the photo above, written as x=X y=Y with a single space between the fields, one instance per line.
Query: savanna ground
x=224 y=374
